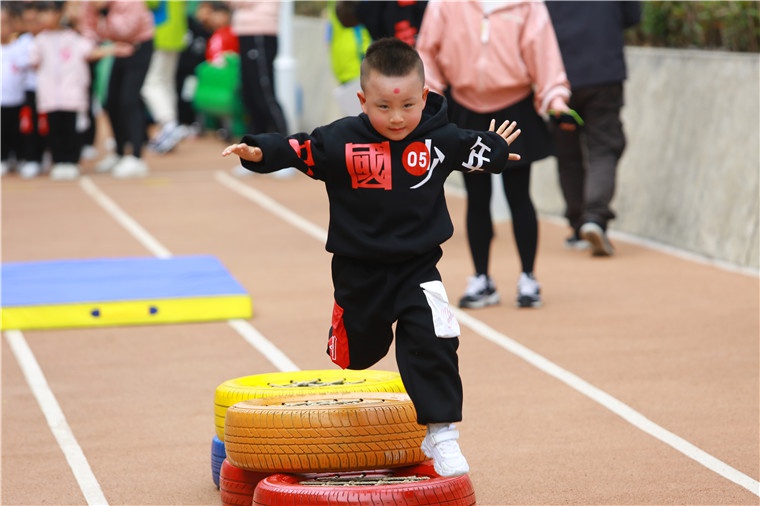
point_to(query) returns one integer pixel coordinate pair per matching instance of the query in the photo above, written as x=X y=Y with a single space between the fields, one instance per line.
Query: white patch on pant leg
x=444 y=322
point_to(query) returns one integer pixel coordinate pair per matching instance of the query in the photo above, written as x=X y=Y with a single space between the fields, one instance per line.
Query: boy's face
x=393 y=104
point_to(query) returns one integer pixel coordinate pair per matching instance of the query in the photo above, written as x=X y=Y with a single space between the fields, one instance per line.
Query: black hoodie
x=386 y=197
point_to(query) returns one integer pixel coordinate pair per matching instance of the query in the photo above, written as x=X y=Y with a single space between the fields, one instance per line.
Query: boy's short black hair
x=391 y=57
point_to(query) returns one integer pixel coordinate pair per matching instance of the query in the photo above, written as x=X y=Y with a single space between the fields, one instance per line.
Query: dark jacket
x=400 y=19
x=386 y=197
x=590 y=36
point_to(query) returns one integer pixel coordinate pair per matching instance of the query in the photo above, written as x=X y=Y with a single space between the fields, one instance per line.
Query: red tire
x=236 y=485
x=413 y=485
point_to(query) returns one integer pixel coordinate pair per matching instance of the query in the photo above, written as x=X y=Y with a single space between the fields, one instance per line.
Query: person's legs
x=572 y=175
x=427 y=338
x=257 y=55
x=65 y=144
x=605 y=142
x=10 y=137
x=130 y=98
x=481 y=291
x=160 y=95
x=516 y=182
x=132 y=112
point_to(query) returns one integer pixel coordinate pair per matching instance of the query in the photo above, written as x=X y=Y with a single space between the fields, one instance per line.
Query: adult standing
x=401 y=19
x=497 y=60
x=256 y=24
x=160 y=89
x=130 y=22
x=591 y=39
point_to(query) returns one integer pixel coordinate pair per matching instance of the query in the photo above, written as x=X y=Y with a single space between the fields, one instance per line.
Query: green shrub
x=729 y=26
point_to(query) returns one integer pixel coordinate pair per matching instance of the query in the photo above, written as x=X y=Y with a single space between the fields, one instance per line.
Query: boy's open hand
x=509 y=132
x=244 y=151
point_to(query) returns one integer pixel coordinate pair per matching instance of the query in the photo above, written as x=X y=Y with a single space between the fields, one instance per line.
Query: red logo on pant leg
x=337 y=344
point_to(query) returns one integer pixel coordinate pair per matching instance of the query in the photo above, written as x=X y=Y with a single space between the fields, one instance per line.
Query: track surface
x=636 y=383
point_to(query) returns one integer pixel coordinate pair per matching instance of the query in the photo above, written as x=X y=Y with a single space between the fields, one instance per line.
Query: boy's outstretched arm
x=507 y=131
x=244 y=151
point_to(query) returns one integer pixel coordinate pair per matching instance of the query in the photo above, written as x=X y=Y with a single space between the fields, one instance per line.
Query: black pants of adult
x=534 y=143
x=587 y=158
x=257 y=54
x=10 y=136
x=370 y=297
x=126 y=111
x=64 y=140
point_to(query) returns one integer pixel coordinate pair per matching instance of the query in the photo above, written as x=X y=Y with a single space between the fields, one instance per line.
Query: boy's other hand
x=509 y=132
x=244 y=151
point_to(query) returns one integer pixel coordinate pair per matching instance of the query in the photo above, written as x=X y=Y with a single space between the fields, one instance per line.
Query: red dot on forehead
x=396 y=91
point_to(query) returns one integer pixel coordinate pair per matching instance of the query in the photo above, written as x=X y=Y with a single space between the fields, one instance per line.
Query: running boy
x=384 y=172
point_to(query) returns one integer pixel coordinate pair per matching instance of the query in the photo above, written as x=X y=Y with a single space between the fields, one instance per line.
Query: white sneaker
x=108 y=163
x=171 y=134
x=440 y=444
x=528 y=291
x=130 y=166
x=30 y=169
x=480 y=292
x=64 y=172
x=6 y=168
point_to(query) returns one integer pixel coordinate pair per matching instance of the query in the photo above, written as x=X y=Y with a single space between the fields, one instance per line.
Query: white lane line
x=126 y=221
x=543 y=364
x=263 y=345
x=272 y=206
x=621 y=409
x=242 y=327
x=56 y=420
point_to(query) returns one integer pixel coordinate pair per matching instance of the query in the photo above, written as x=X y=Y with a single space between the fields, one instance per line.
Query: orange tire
x=324 y=433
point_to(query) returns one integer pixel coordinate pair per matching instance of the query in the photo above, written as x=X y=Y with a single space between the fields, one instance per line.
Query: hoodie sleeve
x=301 y=150
x=428 y=46
x=543 y=58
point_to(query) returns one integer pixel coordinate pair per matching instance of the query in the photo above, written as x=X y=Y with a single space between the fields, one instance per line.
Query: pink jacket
x=492 y=61
x=63 y=75
x=127 y=21
x=251 y=17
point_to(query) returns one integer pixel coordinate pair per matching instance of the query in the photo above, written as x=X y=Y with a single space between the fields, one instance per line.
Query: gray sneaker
x=596 y=236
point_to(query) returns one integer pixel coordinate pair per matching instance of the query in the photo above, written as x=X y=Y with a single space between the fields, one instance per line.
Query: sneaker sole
x=527 y=301
x=600 y=245
x=491 y=300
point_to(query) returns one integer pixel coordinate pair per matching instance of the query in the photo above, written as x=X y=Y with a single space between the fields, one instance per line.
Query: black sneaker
x=480 y=292
x=596 y=236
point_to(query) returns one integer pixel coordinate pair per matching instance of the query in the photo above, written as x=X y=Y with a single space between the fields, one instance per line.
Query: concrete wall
x=689 y=178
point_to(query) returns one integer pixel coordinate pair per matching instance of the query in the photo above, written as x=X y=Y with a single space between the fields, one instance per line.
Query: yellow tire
x=282 y=384
x=324 y=433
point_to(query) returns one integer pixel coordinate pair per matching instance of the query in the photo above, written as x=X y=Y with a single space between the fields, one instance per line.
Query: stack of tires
x=327 y=437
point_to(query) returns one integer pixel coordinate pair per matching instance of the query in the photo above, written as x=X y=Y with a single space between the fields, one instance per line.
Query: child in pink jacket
x=129 y=22
x=61 y=56
x=497 y=60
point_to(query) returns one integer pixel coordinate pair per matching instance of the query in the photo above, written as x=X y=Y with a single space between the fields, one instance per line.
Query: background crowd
x=163 y=71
